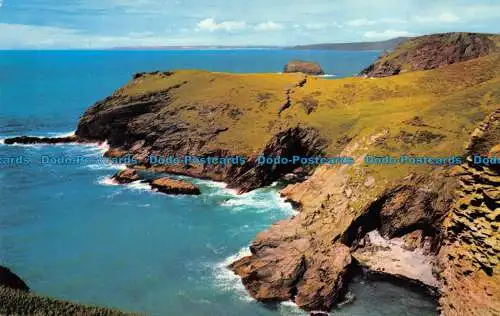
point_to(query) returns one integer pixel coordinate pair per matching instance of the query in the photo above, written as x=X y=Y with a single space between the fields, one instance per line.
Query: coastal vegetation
x=442 y=218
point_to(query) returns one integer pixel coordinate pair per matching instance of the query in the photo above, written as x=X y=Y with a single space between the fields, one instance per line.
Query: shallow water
x=72 y=234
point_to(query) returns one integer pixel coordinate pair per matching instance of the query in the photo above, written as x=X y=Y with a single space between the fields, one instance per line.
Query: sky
x=55 y=24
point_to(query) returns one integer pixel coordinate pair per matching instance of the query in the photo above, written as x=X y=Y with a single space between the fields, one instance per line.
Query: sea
x=70 y=233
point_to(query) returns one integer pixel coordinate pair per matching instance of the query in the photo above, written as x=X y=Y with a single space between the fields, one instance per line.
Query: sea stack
x=306 y=67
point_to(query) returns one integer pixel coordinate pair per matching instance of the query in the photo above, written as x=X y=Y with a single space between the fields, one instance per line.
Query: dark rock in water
x=11 y=280
x=126 y=176
x=306 y=67
x=172 y=186
x=41 y=140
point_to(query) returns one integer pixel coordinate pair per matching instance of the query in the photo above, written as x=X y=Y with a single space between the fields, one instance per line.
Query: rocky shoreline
x=417 y=224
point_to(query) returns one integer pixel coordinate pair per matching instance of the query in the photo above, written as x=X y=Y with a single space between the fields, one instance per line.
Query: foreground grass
x=14 y=302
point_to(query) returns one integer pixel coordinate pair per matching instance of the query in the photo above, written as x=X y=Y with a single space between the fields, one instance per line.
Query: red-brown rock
x=172 y=186
x=126 y=176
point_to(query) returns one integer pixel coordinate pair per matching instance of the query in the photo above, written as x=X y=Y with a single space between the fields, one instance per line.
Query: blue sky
x=109 y=23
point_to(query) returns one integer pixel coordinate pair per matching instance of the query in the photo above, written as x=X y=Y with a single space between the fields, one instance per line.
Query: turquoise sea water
x=71 y=234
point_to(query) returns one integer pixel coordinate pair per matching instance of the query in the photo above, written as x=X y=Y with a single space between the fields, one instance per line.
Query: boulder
x=11 y=280
x=172 y=186
x=126 y=176
x=306 y=67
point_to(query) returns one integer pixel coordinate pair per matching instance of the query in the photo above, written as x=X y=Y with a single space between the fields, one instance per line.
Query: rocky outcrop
x=297 y=141
x=173 y=186
x=41 y=140
x=164 y=185
x=308 y=257
x=469 y=258
x=306 y=67
x=281 y=270
x=126 y=176
x=11 y=280
x=144 y=126
x=433 y=51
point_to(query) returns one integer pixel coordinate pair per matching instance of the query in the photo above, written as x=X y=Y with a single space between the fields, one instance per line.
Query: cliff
x=350 y=214
x=433 y=51
x=307 y=258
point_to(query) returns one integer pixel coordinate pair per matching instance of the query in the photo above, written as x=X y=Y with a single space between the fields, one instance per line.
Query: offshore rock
x=126 y=176
x=306 y=67
x=41 y=140
x=172 y=186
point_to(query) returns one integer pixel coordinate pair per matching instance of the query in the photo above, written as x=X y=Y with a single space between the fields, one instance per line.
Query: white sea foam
x=262 y=200
x=103 y=147
x=226 y=280
x=107 y=181
x=136 y=185
x=326 y=76
x=64 y=134
x=139 y=186
x=289 y=308
x=106 y=166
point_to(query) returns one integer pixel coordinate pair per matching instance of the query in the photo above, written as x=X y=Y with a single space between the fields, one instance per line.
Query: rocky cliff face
x=470 y=255
x=350 y=214
x=433 y=51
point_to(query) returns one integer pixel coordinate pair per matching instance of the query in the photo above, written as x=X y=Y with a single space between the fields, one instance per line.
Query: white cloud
x=47 y=37
x=361 y=22
x=387 y=34
x=211 y=25
x=313 y=26
x=318 y=26
x=365 y=22
x=269 y=26
x=444 y=17
x=448 y=17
